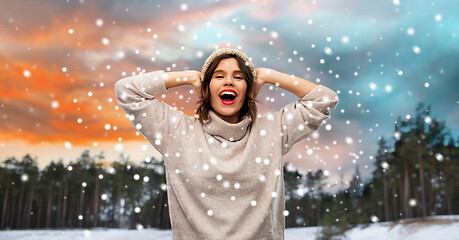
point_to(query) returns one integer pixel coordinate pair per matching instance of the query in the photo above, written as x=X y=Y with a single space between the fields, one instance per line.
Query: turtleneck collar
x=229 y=131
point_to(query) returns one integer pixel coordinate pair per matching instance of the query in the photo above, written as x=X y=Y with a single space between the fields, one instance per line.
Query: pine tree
x=292 y=181
x=335 y=222
x=380 y=180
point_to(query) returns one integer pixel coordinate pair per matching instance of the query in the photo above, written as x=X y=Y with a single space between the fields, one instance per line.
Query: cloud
x=144 y=36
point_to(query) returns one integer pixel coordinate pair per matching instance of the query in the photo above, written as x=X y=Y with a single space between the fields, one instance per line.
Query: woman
x=224 y=172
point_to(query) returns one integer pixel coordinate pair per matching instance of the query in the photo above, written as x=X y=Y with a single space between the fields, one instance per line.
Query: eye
x=239 y=78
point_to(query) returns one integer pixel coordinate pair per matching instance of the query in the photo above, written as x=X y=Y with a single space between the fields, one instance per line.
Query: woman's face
x=227 y=90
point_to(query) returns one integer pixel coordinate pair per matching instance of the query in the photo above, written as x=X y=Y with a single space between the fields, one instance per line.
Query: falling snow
x=379 y=75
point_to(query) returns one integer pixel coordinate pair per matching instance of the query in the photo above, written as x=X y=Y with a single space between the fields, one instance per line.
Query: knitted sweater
x=224 y=180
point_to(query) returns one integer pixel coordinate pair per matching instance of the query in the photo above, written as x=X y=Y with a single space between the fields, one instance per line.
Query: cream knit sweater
x=224 y=181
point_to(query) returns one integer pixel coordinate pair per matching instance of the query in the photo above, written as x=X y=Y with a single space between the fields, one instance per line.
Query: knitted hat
x=223 y=51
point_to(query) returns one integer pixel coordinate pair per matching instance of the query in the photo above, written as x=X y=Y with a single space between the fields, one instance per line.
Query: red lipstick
x=227 y=102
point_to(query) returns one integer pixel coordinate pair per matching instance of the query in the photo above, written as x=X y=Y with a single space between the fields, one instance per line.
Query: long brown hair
x=249 y=108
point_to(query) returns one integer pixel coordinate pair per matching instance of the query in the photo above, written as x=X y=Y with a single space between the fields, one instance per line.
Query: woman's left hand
x=261 y=74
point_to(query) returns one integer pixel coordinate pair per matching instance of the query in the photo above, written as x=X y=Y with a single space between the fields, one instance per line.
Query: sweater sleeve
x=304 y=116
x=155 y=120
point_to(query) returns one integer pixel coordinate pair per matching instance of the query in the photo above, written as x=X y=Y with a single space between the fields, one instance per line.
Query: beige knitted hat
x=222 y=51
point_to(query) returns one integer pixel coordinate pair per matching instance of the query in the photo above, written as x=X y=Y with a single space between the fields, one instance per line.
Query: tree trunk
x=29 y=213
x=394 y=203
x=308 y=213
x=450 y=209
x=431 y=199
x=80 y=212
x=386 y=202
x=406 y=190
x=12 y=213
x=59 y=206
x=313 y=219
x=448 y=192
x=164 y=211
x=402 y=199
x=18 y=214
x=48 y=209
x=160 y=209
x=295 y=213
x=415 y=210
x=64 y=207
x=96 y=202
x=318 y=208
x=117 y=207
x=421 y=178
x=26 y=211
x=4 y=209
x=40 y=207
x=88 y=214
x=155 y=212
x=357 y=209
x=5 y=201
x=73 y=216
x=125 y=224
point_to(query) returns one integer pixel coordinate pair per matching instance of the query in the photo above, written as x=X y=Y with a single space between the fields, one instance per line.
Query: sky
x=59 y=61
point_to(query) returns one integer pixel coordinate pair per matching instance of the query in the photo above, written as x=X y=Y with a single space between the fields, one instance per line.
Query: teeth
x=227 y=92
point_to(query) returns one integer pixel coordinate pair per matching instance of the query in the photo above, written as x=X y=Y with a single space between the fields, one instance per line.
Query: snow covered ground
x=439 y=227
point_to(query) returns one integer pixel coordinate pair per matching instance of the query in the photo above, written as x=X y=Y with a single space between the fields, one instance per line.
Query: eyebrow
x=222 y=71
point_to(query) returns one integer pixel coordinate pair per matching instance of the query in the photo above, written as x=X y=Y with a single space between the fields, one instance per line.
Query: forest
x=416 y=174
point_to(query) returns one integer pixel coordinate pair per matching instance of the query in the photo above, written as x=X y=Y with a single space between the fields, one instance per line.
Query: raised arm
x=304 y=116
x=156 y=121
x=296 y=85
x=190 y=77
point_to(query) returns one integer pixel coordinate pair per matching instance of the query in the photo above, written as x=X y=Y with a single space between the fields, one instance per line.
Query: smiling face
x=228 y=78
x=227 y=90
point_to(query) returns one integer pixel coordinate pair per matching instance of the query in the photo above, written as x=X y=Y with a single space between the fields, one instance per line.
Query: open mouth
x=228 y=97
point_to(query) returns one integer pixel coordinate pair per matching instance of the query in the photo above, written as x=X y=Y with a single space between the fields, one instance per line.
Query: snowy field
x=439 y=227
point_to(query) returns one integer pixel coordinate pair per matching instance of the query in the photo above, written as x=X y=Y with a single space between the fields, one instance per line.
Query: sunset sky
x=59 y=61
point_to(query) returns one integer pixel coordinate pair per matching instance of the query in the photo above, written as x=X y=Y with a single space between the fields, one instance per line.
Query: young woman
x=224 y=165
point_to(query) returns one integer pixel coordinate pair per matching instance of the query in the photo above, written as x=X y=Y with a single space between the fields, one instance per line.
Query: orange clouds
x=27 y=101
x=30 y=116
x=41 y=107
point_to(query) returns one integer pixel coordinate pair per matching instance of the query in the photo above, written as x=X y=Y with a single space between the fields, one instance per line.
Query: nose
x=228 y=82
